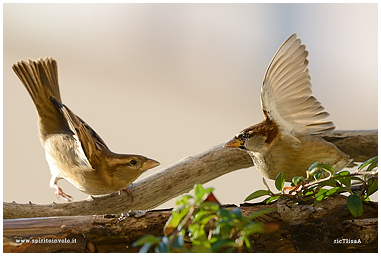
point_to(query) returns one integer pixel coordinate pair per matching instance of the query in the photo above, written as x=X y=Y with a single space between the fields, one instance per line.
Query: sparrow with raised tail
x=74 y=151
x=284 y=140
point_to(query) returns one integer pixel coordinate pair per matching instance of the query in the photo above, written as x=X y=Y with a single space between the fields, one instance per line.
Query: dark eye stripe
x=244 y=135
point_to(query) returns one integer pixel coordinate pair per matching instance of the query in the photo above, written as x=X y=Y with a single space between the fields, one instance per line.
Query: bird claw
x=59 y=193
x=128 y=191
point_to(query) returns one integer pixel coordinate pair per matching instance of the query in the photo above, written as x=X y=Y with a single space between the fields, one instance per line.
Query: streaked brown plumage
x=74 y=151
x=285 y=140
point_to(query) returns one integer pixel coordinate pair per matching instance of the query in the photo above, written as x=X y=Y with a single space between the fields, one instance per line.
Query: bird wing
x=286 y=94
x=91 y=143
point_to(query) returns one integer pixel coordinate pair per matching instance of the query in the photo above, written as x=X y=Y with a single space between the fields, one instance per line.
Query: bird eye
x=245 y=135
x=133 y=162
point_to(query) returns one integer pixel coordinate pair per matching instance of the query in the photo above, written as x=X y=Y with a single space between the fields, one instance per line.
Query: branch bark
x=329 y=227
x=180 y=178
x=360 y=145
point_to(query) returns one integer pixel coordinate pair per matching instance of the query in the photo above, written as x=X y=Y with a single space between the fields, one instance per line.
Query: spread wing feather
x=287 y=95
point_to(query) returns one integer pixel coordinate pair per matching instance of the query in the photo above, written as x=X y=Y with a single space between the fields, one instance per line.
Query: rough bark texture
x=200 y=168
x=360 y=145
x=328 y=227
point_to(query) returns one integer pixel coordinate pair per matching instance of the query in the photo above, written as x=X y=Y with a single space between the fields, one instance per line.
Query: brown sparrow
x=74 y=151
x=284 y=140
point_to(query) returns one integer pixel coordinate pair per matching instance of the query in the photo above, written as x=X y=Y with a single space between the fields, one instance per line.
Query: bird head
x=127 y=168
x=256 y=138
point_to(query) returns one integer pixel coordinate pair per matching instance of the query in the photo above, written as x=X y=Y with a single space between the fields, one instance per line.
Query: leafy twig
x=320 y=175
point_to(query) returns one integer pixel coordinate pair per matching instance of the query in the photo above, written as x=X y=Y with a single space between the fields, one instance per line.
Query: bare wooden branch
x=328 y=227
x=359 y=145
x=180 y=178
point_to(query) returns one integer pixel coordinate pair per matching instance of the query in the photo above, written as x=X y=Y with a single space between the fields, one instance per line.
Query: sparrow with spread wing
x=74 y=151
x=285 y=140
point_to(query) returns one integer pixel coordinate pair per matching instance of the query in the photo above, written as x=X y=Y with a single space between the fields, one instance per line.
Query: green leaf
x=355 y=205
x=146 y=239
x=257 y=194
x=372 y=186
x=175 y=219
x=374 y=159
x=318 y=175
x=201 y=193
x=346 y=181
x=222 y=243
x=253 y=227
x=198 y=189
x=319 y=196
x=145 y=248
x=336 y=190
x=318 y=166
x=247 y=243
x=327 y=167
x=203 y=217
x=321 y=192
x=272 y=198
x=308 y=191
x=224 y=213
x=279 y=180
x=372 y=166
x=296 y=180
x=183 y=200
x=342 y=173
x=236 y=212
x=209 y=206
x=313 y=166
x=331 y=183
x=197 y=232
x=327 y=193
x=343 y=178
x=201 y=248
x=164 y=246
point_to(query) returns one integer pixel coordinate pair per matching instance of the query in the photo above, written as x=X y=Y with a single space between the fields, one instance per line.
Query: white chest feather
x=64 y=155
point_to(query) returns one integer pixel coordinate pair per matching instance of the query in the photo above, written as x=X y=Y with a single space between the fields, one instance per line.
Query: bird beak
x=234 y=143
x=149 y=164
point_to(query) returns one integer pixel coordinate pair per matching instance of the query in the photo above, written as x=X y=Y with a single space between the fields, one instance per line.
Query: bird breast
x=295 y=154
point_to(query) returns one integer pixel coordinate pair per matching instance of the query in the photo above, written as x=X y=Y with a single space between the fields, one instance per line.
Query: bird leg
x=59 y=193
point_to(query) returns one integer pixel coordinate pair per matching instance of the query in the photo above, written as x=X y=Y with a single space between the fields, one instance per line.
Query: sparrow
x=74 y=151
x=286 y=139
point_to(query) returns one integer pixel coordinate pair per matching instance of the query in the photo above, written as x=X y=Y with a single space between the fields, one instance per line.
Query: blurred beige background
x=170 y=80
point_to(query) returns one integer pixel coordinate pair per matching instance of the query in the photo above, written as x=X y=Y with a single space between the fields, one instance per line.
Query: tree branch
x=327 y=227
x=179 y=178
